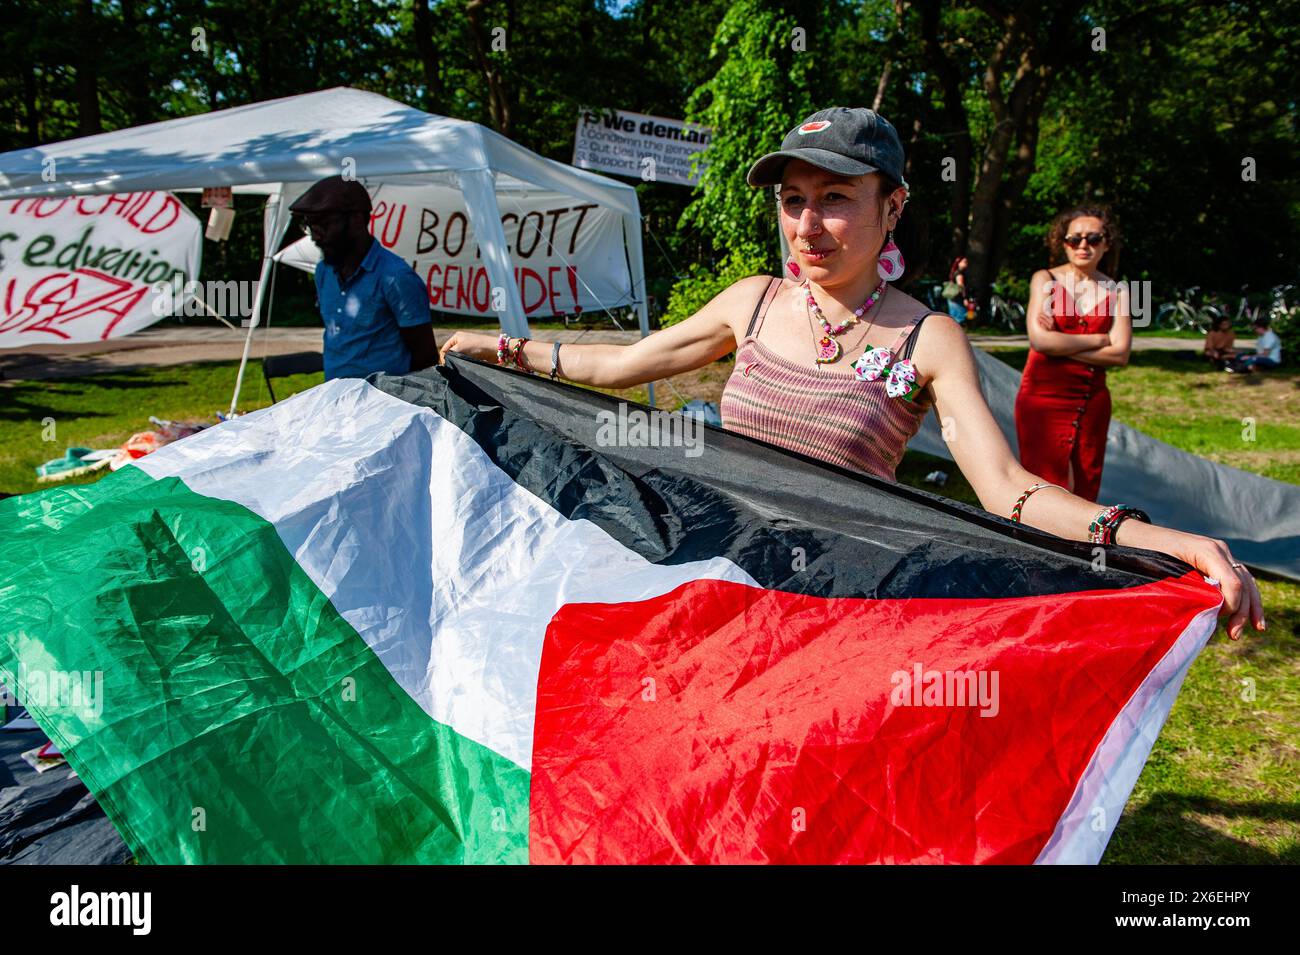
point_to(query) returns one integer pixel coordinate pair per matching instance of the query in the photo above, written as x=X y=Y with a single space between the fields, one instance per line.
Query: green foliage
x=760 y=90
x=1161 y=125
x=1288 y=329
x=701 y=284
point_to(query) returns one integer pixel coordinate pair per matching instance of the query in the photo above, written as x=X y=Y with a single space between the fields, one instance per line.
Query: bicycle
x=1005 y=313
x=1278 y=309
x=1246 y=315
x=1183 y=314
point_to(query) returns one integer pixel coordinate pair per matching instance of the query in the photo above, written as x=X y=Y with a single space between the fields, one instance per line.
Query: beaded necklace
x=828 y=349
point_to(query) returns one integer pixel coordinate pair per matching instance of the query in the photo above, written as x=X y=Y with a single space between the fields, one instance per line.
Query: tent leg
x=636 y=271
x=253 y=322
x=479 y=190
x=274 y=224
x=243 y=363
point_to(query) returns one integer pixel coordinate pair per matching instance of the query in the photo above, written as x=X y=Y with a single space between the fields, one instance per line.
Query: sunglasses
x=1094 y=239
x=320 y=221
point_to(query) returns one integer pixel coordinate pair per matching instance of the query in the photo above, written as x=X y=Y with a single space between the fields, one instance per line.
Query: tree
x=1022 y=48
x=1182 y=114
x=760 y=90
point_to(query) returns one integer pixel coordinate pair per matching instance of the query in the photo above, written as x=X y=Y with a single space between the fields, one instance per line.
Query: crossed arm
x=1105 y=350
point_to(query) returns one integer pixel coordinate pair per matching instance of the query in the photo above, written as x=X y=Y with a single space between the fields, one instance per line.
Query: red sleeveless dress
x=1063 y=406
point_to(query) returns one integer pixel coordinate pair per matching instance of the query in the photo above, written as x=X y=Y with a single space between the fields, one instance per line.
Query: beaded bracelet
x=517 y=355
x=1020 y=502
x=503 y=348
x=1104 y=526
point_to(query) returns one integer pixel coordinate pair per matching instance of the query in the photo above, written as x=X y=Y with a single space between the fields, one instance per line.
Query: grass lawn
x=104 y=410
x=1223 y=782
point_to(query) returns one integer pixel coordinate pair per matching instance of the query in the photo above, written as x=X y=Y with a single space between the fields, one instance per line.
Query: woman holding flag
x=837 y=363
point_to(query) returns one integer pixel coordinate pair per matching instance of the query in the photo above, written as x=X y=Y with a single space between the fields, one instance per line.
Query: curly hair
x=1109 y=228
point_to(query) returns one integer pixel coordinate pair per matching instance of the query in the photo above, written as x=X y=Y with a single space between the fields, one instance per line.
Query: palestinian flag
x=473 y=616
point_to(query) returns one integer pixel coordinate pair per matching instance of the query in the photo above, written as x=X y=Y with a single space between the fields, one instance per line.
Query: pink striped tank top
x=825 y=414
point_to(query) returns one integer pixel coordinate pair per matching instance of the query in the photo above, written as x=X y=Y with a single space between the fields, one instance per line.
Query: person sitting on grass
x=1219 y=343
x=1268 y=350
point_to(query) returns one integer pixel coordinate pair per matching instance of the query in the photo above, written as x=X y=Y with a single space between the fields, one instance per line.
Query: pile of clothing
x=78 y=461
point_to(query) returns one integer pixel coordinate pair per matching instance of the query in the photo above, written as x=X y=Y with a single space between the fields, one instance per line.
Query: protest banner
x=81 y=268
x=568 y=255
x=649 y=148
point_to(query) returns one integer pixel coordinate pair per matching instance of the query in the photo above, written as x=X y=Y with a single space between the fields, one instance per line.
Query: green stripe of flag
x=243 y=719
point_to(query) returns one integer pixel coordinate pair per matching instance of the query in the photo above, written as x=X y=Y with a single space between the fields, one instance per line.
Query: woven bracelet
x=1020 y=501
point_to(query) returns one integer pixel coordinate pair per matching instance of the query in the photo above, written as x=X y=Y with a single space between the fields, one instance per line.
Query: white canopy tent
x=280 y=147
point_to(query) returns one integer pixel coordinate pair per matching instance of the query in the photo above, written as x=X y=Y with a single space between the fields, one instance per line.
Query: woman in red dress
x=1078 y=327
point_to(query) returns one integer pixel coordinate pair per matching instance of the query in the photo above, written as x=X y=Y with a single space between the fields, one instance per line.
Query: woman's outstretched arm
x=982 y=453
x=704 y=337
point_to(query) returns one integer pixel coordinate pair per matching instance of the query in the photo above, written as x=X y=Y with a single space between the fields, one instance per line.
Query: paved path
x=176 y=346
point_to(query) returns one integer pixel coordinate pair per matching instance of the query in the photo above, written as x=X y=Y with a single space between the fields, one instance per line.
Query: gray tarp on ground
x=1258 y=518
x=49 y=818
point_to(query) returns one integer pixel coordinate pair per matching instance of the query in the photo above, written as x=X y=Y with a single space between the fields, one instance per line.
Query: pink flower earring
x=890 y=265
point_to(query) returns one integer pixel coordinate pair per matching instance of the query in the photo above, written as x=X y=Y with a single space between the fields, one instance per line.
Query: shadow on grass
x=1278 y=644
x=17 y=409
x=18 y=403
x=1164 y=831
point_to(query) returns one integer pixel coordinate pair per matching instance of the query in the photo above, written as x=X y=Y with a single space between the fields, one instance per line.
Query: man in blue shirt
x=375 y=307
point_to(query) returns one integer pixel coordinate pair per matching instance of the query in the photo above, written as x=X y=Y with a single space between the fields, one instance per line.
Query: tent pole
x=271 y=238
x=248 y=339
x=636 y=268
x=479 y=189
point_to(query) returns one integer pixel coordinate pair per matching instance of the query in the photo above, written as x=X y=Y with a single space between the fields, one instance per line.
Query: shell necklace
x=828 y=349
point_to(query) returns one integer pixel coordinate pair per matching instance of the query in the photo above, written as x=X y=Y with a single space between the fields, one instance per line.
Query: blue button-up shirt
x=362 y=314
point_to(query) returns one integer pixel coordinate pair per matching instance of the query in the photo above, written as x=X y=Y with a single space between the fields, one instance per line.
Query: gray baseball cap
x=845 y=141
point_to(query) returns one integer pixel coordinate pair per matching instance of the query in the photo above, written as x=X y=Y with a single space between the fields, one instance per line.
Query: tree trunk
x=30 y=107
x=1022 y=162
x=87 y=79
x=882 y=86
x=498 y=99
x=953 y=124
x=428 y=54
x=1042 y=55
x=135 y=78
